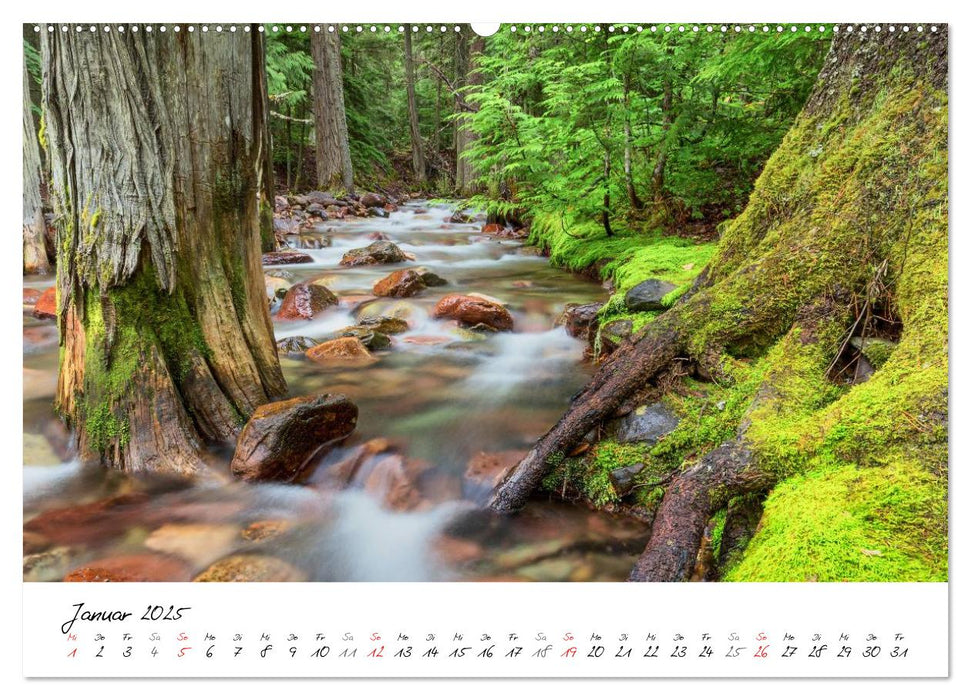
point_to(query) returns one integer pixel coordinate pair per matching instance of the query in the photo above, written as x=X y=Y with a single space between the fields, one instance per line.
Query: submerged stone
x=282 y=437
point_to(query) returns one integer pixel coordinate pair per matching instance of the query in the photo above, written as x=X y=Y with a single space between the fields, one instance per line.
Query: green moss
x=122 y=328
x=849 y=523
x=627 y=258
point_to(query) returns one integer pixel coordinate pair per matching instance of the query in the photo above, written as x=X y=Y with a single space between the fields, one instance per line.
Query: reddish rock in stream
x=401 y=283
x=304 y=301
x=286 y=257
x=472 y=310
x=31 y=295
x=132 y=567
x=281 y=437
x=486 y=468
x=46 y=304
x=348 y=350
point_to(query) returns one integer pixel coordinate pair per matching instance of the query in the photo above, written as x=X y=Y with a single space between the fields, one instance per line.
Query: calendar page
x=373 y=349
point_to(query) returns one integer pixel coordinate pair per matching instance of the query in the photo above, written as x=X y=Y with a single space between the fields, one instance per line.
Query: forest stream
x=439 y=399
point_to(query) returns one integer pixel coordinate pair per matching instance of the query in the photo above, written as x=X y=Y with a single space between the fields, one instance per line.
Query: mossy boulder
x=378 y=253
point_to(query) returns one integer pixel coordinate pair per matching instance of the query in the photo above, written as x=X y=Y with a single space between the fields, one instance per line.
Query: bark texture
x=468 y=47
x=157 y=147
x=35 y=227
x=334 y=169
x=417 y=152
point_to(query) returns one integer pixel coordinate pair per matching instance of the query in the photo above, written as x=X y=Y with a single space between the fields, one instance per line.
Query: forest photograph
x=564 y=303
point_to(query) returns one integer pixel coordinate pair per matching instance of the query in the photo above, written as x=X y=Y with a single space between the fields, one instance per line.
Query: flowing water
x=438 y=398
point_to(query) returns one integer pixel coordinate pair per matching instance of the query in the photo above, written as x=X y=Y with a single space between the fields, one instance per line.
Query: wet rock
x=486 y=468
x=280 y=202
x=647 y=295
x=346 y=350
x=455 y=551
x=523 y=284
x=341 y=466
x=310 y=241
x=31 y=295
x=40 y=338
x=461 y=217
x=372 y=340
x=646 y=424
x=378 y=211
x=580 y=320
x=318 y=210
x=388 y=325
x=196 y=543
x=276 y=287
x=46 y=304
x=286 y=225
x=392 y=479
x=470 y=310
x=427 y=339
x=304 y=301
x=373 y=199
x=623 y=479
x=492 y=228
x=35 y=542
x=614 y=333
x=264 y=530
x=131 y=567
x=295 y=345
x=324 y=199
x=243 y=568
x=48 y=565
x=400 y=283
x=94 y=522
x=378 y=253
x=430 y=278
x=286 y=257
x=281 y=437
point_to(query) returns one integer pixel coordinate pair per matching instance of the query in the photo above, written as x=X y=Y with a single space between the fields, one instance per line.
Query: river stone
x=371 y=339
x=132 y=567
x=241 y=568
x=623 y=479
x=647 y=295
x=471 y=310
x=46 y=304
x=430 y=278
x=324 y=199
x=281 y=437
x=286 y=257
x=378 y=211
x=400 y=283
x=646 y=424
x=389 y=325
x=304 y=301
x=31 y=295
x=345 y=350
x=378 y=253
x=295 y=345
x=373 y=199
x=614 y=333
x=581 y=319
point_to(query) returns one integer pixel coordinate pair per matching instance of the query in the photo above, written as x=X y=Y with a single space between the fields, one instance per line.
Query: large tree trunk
x=333 y=147
x=157 y=152
x=467 y=74
x=417 y=154
x=35 y=228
